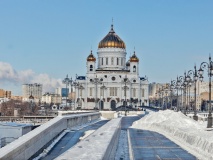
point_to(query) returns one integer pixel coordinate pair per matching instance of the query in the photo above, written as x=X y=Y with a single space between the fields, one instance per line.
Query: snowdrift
x=184 y=131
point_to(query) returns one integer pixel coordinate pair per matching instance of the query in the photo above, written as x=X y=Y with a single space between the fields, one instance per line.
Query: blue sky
x=42 y=41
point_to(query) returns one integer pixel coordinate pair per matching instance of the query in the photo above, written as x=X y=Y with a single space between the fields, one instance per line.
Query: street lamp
x=195 y=77
x=76 y=85
x=209 y=67
x=175 y=86
x=166 y=90
x=187 y=85
x=125 y=81
x=67 y=81
x=96 y=81
x=80 y=87
x=103 y=88
x=159 y=92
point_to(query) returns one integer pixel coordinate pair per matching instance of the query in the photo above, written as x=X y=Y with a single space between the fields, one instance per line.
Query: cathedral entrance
x=101 y=105
x=113 y=105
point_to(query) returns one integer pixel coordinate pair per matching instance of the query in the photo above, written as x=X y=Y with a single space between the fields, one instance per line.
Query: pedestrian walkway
x=149 y=145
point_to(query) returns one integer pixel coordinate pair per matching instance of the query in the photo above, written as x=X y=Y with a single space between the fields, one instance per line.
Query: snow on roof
x=186 y=132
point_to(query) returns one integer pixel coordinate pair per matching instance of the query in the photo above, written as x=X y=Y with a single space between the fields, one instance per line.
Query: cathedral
x=111 y=80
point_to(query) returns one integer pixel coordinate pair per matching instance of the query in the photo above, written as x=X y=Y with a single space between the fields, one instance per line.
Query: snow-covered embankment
x=184 y=131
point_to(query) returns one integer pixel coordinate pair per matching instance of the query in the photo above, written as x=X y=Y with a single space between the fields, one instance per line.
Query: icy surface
x=189 y=134
x=122 y=152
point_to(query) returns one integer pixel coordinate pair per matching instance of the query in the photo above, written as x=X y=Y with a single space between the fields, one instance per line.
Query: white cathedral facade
x=111 y=78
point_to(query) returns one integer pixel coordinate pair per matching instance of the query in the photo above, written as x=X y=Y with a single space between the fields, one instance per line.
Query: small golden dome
x=91 y=57
x=31 y=97
x=112 y=40
x=134 y=58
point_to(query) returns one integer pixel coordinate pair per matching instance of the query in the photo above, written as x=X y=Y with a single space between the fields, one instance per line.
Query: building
x=18 y=98
x=63 y=92
x=51 y=98
x=5 y=94
x=34 y=90
x=11 y=131
x=114 y=81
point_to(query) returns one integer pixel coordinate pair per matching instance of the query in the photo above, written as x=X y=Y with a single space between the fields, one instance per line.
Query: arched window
x=117 y=61
x=134 y=68
x=112 y=61
x=106 y=61
x=91 y=67
x=102 y=61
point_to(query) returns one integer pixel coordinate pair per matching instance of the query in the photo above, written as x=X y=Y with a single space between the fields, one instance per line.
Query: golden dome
x=112 y=40
x=134 y=58
x=91 y=57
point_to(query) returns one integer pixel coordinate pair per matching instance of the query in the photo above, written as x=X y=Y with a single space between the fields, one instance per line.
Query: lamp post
x=80 y=87
x=177 y=85
x=166 y=89
x=96 y=81
x=185 y=93
x=181 y=93
x=163 y=96
x=174 y=86
x=76 y=85
x=125 y=81
x=156 y=99
x=103 y=88
x=194 y=74
x=170 y=90
x=160 y=97
x=181 y=80
x=209 y=67
x=67 y=81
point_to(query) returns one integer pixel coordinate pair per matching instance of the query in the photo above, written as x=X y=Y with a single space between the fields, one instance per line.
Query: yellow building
x=5 y=94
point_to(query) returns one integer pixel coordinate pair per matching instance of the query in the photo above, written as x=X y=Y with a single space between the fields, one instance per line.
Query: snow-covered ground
x=86 y=134
x=184 y=131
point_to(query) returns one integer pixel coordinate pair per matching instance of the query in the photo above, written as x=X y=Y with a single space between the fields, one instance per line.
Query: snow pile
x=181 y=129
x=86 y=134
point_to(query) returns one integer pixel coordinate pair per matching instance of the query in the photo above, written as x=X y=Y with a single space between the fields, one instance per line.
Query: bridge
x=59 y=139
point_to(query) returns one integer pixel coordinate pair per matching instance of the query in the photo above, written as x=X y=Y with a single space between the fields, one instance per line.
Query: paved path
x=148 y=145
x=70 y=139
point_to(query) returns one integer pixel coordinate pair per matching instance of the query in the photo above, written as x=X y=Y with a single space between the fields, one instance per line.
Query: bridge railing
x=33 y=142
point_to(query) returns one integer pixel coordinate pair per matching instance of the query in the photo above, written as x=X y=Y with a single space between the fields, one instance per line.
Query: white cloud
x=9 y=75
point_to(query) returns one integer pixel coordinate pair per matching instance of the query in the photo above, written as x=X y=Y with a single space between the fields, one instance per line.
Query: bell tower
x=91 y=63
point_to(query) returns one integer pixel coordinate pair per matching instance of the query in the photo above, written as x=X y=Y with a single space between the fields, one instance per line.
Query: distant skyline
x=43 y=41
